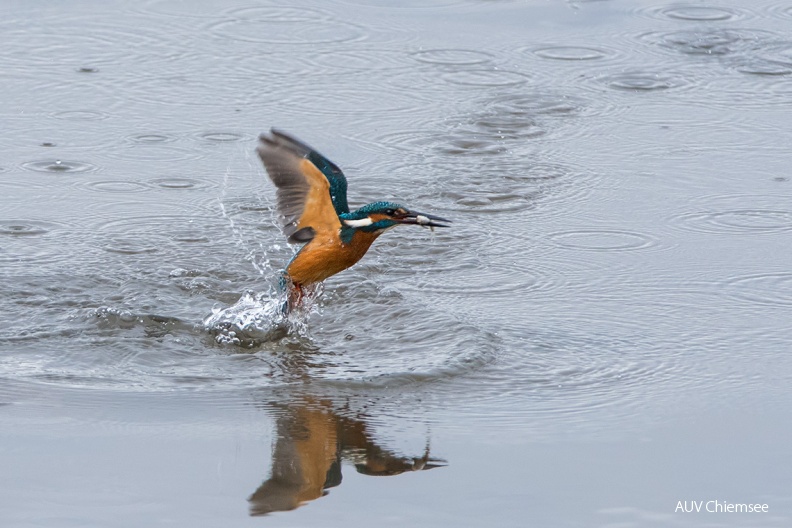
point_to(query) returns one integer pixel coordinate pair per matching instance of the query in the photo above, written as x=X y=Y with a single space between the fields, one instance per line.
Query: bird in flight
x=313 y=209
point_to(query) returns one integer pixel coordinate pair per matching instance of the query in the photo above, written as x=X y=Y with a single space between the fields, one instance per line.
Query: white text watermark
x=715 y=506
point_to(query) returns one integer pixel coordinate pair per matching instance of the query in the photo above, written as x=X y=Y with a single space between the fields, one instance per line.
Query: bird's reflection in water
x=312 y=440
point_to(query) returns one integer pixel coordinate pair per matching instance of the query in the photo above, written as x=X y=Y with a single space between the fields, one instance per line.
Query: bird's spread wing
x=311 y=188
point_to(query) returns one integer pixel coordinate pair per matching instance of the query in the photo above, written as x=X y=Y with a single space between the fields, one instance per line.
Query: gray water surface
x=603 y=332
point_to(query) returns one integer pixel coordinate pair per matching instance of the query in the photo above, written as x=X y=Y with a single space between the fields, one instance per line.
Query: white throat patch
x=359 y=223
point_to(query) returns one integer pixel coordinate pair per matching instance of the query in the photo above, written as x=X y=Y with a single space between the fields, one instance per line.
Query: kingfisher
x=313 y=209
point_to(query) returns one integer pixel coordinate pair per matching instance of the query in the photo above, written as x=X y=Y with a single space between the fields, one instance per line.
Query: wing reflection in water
x=312 y=441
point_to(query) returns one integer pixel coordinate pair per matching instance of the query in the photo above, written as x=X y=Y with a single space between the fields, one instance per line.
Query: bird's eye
x=390 y=212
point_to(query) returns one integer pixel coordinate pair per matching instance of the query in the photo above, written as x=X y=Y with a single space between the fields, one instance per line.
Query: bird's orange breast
x=324 y=257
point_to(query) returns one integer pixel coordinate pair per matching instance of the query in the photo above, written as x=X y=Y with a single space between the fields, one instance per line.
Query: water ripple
x=223 y=137
x=453 y=57
x=738 y=221
x=157 y=353
x=564 y=372
x=488 y=138
x=738 y=214
x=490 y=200
x=780 y=10
x=358 y=60
x=532 y=105
x=153 y=137
x=113 y=186
x=84 y=42
x=408 y=350
x=58 y=166
x=210 y=88
x=490 y=78
x=27 y=241
x=511 y=277
x=417 y=141
x=447 y=266
x=709 y=42
x=695 y=13
x=350 y=100
x=642 y=81
x=285 y=25
x=182 y=183
x=145 y=153
x=80 y=115
x=502 y=124
x=504 y=184
x=163 y=352
x=408 y=4
x=153 y=234
x=26 y=228
x=773 y=289
x=571 y=53
x=67 y=137
x=276 y=14
x=770 y=59
x=602 y=240
x=178 y=9
x=760 y=66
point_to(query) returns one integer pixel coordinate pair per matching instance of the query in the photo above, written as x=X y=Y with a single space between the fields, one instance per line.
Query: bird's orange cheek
x=377 y=217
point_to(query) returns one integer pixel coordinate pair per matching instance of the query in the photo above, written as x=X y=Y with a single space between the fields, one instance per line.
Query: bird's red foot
x=295 y=296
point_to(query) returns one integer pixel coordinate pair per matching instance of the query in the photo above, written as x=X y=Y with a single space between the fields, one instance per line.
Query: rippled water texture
x=603 y=332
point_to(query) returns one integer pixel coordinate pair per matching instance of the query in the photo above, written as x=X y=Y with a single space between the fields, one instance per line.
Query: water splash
x=257 y=255
x=259 y=317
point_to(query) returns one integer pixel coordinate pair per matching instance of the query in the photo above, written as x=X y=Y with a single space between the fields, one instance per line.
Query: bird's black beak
x=422 y=219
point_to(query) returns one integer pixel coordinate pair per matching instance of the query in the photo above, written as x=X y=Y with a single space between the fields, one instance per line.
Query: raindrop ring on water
x=602 y=240
x=59 y=166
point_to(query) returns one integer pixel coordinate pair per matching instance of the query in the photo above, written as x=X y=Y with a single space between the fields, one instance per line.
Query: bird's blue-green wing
x=311 y=189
